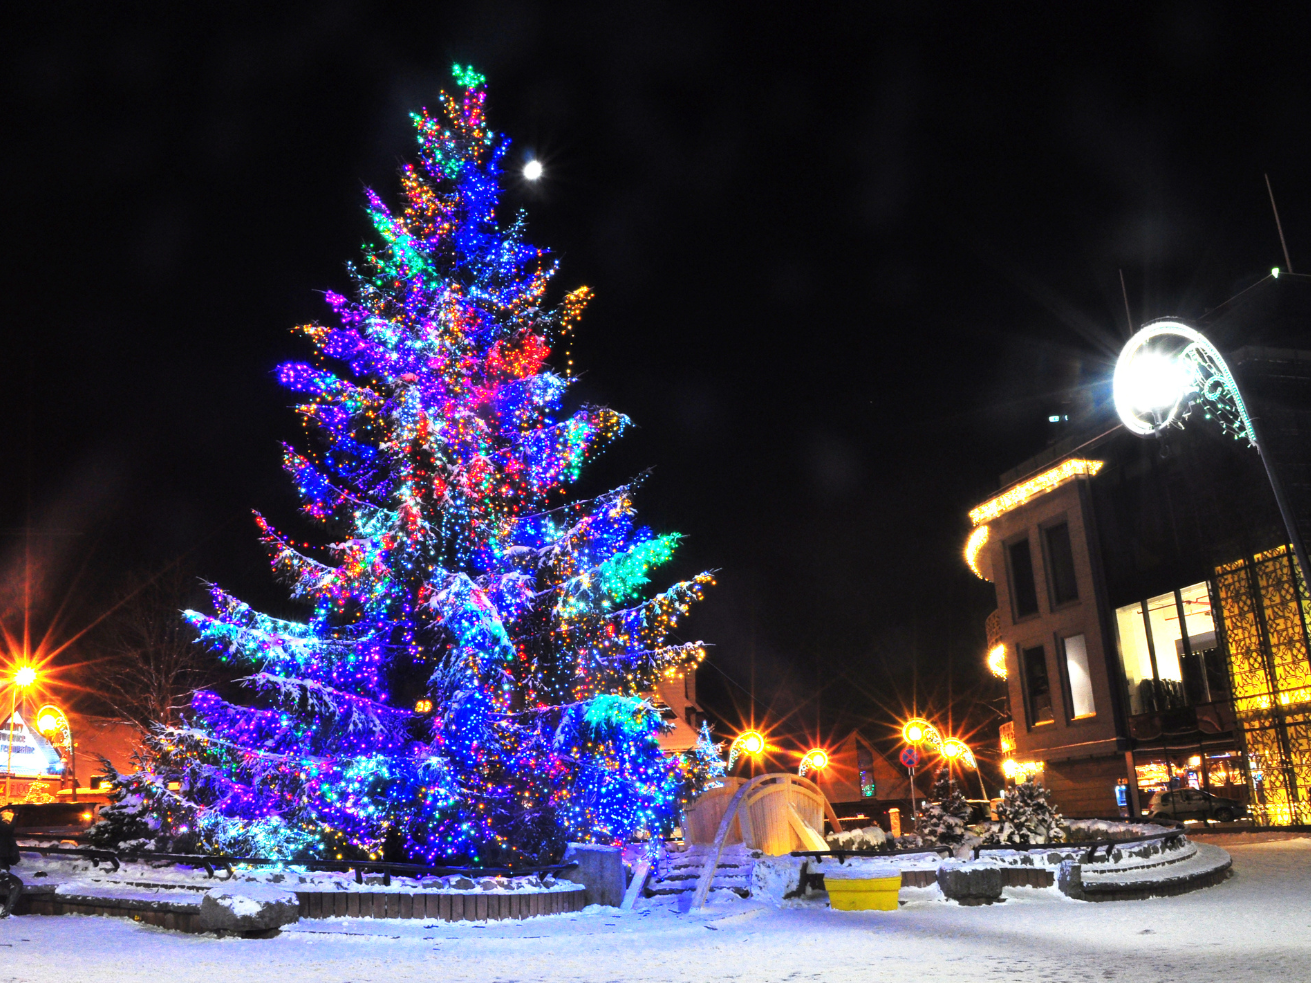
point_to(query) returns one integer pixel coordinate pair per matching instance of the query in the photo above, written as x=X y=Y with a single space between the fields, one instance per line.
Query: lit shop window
x=1169 y=651
x=1078 y=678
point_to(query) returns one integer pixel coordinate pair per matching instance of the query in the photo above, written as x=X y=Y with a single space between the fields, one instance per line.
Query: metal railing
x=1089 y=847
x=842 y=854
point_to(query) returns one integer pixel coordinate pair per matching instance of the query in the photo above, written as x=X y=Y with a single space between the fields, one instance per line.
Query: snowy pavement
x=1255 y=926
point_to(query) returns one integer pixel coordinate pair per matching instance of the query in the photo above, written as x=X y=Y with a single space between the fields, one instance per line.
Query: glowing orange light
x=24 y=676
x=973 y=546
x=816 y=758
x=751 y=742
x=997 y=660
x=1017 y=495
x=423 y=706
x=955 y=749
x=917 y=731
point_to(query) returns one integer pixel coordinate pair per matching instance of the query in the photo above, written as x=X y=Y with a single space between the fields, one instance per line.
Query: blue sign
x=910 y=757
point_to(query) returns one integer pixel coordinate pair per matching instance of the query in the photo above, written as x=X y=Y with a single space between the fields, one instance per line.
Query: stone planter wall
x=446 y=906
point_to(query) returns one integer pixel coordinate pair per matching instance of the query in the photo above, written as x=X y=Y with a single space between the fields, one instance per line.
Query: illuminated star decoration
x=469 y=681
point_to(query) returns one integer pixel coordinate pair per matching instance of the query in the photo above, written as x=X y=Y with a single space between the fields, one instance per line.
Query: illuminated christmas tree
x=468 y=680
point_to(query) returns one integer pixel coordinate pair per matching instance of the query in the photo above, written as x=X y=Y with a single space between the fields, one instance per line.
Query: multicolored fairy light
x=469 y=679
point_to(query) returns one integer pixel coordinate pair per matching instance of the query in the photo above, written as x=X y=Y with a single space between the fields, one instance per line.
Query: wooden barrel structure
x=774 y=814
x=701 y=817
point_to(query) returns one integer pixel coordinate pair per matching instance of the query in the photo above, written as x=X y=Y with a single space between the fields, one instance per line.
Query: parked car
x=1193 y=803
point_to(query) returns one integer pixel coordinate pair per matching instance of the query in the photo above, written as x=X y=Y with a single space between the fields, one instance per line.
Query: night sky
x=846 y=264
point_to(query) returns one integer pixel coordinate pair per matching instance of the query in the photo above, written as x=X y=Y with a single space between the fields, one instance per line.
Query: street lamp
x=23 y=678
x=53 y=725
x=749 y=742
x=954 y=749
x=816 y=759
x=1167 y=369
x=917 y=731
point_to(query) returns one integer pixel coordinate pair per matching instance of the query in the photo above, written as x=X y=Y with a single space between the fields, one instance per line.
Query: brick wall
x=1085 y=789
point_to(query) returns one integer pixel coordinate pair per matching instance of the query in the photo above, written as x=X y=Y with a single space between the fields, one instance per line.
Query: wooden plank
x=378 y=905
x=406 y=905
x=444 y=907
x=353 y=905
x=457 y=907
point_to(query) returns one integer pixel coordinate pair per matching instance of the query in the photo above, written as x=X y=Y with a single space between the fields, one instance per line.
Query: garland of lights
x=468 y=682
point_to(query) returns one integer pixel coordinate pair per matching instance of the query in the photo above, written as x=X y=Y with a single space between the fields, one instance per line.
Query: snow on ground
x=1256 y=926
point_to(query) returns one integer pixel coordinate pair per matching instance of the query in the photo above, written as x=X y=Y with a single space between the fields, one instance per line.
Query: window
x=1078 y=678
x=1170 y=652
x=1038 y=685
x=1024 y=595
x=1060 y=562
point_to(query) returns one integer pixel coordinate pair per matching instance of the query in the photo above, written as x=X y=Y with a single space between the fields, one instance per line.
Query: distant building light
x=1054 y=418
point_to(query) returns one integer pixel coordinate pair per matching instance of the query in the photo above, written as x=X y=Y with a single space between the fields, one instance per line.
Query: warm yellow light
x=917 y=730
x=957 y=750
x=1021 y=771
x=25 y=676
x=46 y=722
x=1016 y=496
x=751 y=742
x=816 y=758
x=423 y=706
x=973 y=546
x=997 y=660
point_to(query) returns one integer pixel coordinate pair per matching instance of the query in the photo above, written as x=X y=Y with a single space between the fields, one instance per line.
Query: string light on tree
x=467 y=682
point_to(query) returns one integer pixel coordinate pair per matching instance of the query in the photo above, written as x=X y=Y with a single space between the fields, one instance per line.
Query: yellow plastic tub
x=854 y=889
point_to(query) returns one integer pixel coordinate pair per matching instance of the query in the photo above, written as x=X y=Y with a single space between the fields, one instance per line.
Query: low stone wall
x=178 y=916
x=446 y=906
x=184 y=915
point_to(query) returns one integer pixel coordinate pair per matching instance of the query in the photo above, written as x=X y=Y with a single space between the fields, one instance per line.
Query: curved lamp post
x=816 y=759
x=749 y=742
x=53 y=725
x=954 y=749
x=917 y=731
x=1166 y=371
x=23 y=678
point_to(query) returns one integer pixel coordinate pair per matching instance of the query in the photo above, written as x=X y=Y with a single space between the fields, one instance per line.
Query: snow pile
x=866 y=838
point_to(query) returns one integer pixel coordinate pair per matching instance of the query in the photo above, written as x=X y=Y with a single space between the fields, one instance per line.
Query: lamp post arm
x=1285 y=512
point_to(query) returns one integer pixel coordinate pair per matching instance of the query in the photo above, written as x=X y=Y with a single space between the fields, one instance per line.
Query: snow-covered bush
x=865 y=838
x=944 y=820
x=1026 y=815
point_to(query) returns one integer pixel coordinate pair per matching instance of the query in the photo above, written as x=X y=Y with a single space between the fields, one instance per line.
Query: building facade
x=1151 y=624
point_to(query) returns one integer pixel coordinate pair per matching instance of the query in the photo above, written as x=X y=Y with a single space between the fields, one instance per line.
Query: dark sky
x=846 y=264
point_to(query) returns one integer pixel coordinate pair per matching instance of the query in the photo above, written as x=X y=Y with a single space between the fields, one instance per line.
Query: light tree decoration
x=1165 y=371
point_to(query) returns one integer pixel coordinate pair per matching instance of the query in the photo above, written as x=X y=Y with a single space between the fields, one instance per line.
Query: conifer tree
x=1026 y=815
x=947 y=814
x=467 y=682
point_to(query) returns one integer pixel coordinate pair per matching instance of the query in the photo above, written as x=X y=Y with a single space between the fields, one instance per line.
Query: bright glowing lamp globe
x=752 y=742
x=25 y=676
x=532 y=171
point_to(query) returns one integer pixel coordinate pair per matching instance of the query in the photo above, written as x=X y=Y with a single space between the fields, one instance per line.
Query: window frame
x=1027 y=690
x=1067 y=688
x=1044 y=534
x=1012 y=579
